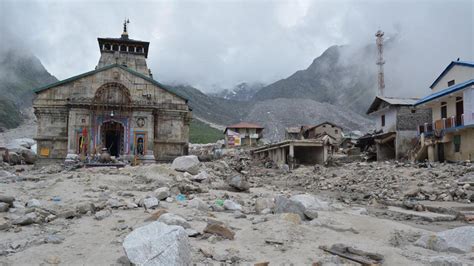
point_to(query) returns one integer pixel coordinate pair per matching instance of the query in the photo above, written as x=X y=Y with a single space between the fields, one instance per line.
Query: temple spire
x=125 y=33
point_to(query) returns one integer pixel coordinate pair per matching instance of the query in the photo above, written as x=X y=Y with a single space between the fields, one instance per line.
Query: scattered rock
x=311 y=202
x=101 y=215
x=162 y=193
x=219 y=229
x=4 y=224
x=191 y=232
x=189 y=163
x=239 y=183
x=114 y=203
x=158 y=244
x=199 y=204
x=4 y=207
x=174 y=219
x=54 y=239
x=458 y=240
x=239 y=215
x=203 y=175
x=285 y=205
x=26 y=219
x=156 y=214
x=33 y=203
x=85 y=207
x=232 y=206
x=264 y=204
x=7 y=199
x=151 y=203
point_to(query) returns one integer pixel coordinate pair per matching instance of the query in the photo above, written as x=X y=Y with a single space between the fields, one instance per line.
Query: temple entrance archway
x=112 y=134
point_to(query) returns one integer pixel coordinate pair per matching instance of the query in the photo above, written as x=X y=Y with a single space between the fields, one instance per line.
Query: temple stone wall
x=158 y=116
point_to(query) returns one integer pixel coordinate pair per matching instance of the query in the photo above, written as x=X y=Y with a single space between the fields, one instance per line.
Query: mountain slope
x=20 y=73
x=213 y=109
x=342 y=75
x=276 y=114
x=242 y=92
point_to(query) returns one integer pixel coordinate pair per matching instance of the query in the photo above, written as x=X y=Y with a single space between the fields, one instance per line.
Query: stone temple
x=118 y=107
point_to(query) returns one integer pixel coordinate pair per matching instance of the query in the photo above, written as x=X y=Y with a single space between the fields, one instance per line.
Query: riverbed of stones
x=231 y=209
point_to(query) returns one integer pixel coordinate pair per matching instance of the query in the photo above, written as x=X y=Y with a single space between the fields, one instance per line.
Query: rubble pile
x=389 y=181
x=232 y=210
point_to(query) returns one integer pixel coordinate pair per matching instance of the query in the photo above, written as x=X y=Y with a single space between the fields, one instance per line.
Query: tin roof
x=446 y=91
x=391 y=101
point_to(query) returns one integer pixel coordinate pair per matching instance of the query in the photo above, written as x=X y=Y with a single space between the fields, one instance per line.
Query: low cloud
x=218 y=44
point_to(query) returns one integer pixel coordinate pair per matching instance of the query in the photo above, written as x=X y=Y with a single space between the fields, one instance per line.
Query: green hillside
x=200 y=132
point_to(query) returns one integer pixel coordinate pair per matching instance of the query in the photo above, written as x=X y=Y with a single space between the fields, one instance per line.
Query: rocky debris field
x=236 y=210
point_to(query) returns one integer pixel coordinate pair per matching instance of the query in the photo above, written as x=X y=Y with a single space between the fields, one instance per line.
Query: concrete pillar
x=431 y=155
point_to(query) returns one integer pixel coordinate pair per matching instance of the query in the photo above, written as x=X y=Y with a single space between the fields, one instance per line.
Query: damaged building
x=449 y=135
x=396 y=122
x=303 y=145
x=118 y=107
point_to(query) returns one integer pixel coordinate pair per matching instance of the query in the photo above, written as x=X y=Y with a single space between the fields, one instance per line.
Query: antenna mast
x=380 y=62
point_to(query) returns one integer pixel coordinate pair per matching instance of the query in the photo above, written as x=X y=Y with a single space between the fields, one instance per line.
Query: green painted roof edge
x=61 y=82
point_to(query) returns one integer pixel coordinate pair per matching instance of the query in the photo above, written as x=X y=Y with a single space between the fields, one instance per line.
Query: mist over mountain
x=341 y=76
x=242 y=92
x=20 y=73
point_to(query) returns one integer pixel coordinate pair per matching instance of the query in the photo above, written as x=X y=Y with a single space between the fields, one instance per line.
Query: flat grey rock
x=158 y=244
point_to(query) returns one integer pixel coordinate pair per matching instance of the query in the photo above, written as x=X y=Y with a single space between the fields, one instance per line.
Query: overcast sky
x=217 y=44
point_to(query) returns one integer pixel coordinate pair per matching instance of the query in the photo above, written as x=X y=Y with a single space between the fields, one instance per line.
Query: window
x=115 y=47
x=139 y=49
x=457 y=143
x=413 y=111
x=444 y=110
x=337 y=131
x=383 y=120
x=123 y=48
x=451 y=83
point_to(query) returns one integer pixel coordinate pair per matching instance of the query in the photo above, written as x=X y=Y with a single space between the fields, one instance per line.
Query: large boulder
x=285 y=205
x=189 y=163
x=239 y=183
x=13 y=158
x=28 y=156
x=158 y=244
x=311 y=202
x=162 y=193
x=458 y=240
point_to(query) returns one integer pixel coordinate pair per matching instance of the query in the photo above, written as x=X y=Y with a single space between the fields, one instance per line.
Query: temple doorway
x=112 y=137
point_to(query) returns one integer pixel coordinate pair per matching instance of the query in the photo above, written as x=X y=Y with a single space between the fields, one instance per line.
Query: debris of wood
x=273 y=241
x=359 y=256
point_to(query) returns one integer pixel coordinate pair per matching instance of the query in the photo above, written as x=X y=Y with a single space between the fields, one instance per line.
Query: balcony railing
x=441 y=124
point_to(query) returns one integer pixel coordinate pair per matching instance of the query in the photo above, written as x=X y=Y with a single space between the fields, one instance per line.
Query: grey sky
x=217 y=44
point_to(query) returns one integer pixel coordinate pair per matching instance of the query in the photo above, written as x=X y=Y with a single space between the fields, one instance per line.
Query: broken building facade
x=242 y=134
x=118 y=106
x=396 y=122
x=449 y=135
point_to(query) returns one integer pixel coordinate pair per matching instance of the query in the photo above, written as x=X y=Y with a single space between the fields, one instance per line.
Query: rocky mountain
x=20 y=73
x=276 y=114
x=242 y=92
x=342 y=76
x=211 y=108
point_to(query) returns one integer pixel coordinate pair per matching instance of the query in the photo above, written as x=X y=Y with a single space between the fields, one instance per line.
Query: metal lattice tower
x=380 y=62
